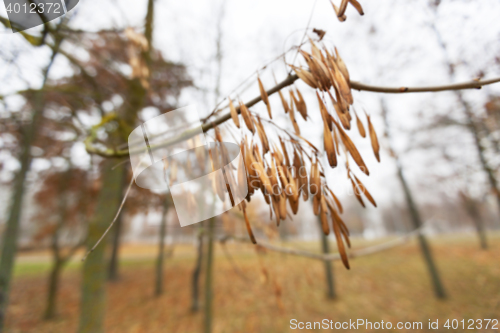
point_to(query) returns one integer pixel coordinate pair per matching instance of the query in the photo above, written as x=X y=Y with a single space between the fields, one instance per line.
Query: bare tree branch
x=475 y=84
x=334 y=256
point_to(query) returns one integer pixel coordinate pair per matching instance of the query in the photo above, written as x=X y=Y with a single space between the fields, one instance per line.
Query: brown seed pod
x=315 y=181
x=283 y=206
x=262 y=135
x=362 y=189
x=342 y=67
x=373 y=139
x=283 y=179
x=358 y=7
x=342 y=84
x=234 y=114
x=342 y=114
x=306 y=76
x=301 y=105
x=265 y=98
x=262 y=174
x=246 y=173
x=292 y=117
x=220 y=185
x=337 y=202
x=286 y=107
x=360 y=126
x=340 y=244
x=316 y=204
x=356 y=192
x=342 y=104
x=341 y=18
x=321 y=73
x=276 y=208
x=218 y=135
x=294 y=204
x=343 y=227
x=315 y=70
x=247 y=117
x=352 y=149
x=342 y=8
x=249 y=228
x=292 y=190
x=242 y=174
x=324 y=113
x=329 y=147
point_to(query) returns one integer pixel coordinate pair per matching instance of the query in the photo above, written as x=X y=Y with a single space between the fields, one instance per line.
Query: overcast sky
x=392 y=44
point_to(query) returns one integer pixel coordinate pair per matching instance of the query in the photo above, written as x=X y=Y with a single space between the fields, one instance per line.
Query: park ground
x=262 y=292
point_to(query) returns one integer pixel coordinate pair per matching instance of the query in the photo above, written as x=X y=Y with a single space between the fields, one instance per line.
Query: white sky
x=391 y=45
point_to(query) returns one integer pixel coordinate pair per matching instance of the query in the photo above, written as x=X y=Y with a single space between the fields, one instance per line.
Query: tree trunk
x=9 y=244
x=113 y=275
x=325 y=246
x=471 y=124
x=114 y=260
x=53 y=287
x=479 y=223
x=415 y=218
x=471 y=208
x=195 y=282
x=93 y=304
x=208 y=308
x=161 y=250
x=424 y=246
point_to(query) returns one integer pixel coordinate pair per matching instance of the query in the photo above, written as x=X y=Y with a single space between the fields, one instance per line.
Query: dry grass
x=390 y=286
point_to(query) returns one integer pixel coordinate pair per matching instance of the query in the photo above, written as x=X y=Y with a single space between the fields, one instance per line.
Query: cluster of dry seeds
x=340 y=11
x=291 y=170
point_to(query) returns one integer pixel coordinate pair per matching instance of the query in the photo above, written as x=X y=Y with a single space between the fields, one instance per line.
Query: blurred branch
x=474 y=84
x=33 y=40
x=335 y=256
x=108 y=152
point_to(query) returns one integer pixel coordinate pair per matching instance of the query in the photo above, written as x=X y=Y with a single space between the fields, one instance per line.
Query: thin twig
x=305 y=33
x=113 y=222
x=474 y=84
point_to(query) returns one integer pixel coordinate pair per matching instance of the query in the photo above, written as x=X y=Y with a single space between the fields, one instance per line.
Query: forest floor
x=263 y=292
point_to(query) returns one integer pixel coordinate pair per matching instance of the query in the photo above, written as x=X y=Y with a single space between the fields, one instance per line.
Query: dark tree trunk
x=161 y=250
x=479 y=223
x=58 y=262
x=208 y=305
x=195 y=280
x=53 y=287
x=93 y=305
x=113 y=274
x=9 y=243
x=330 y=284
x=415 y=218
x=471 y=208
